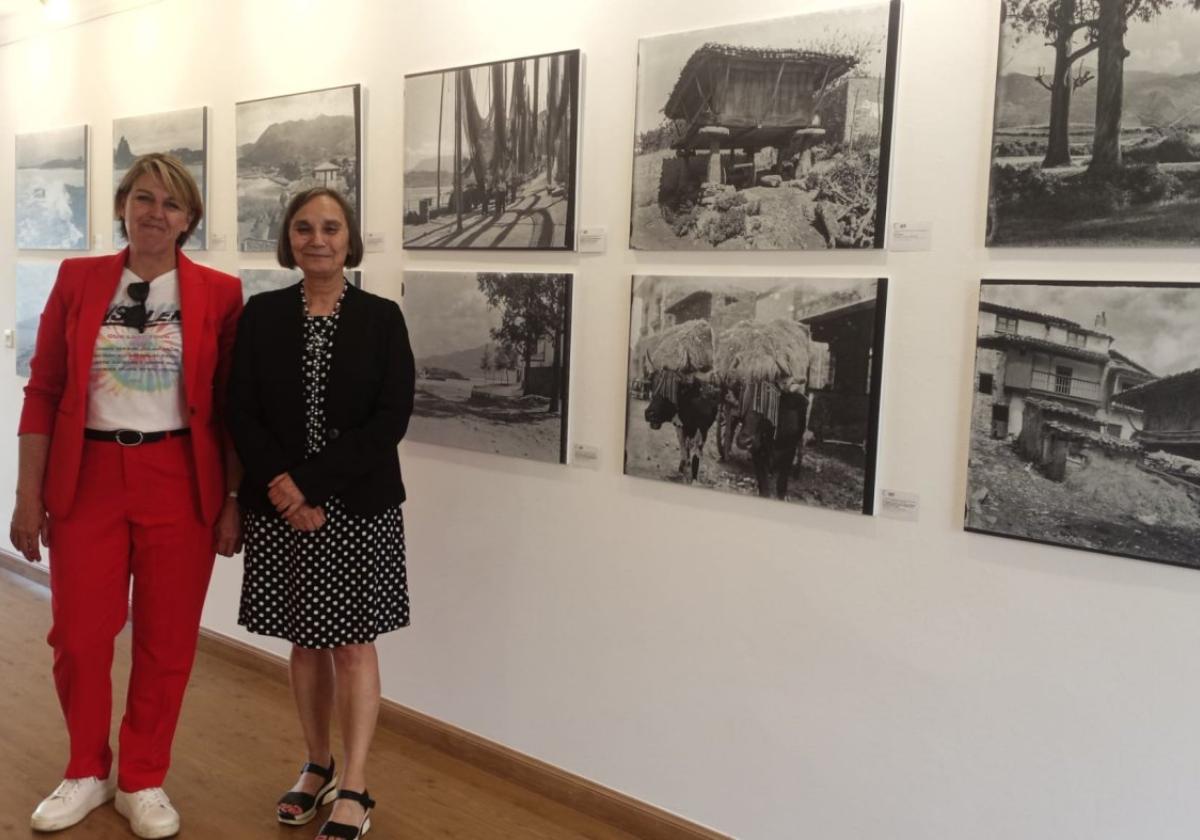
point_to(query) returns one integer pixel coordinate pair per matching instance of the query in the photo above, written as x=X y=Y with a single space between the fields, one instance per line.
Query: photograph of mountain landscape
x=183 y=134
x=768 y=135
x=1096 y=140
x=255 y=280
x=1085 y=430
x=291 y=143
x=493 y=361
x=51 y=190
x=34 y=280
x=489 y=155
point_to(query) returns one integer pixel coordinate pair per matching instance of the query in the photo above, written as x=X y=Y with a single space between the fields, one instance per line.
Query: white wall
x=771 y=671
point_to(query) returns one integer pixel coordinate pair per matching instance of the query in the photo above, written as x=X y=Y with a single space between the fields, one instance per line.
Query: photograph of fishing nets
x=757 y=385
x=490 y=155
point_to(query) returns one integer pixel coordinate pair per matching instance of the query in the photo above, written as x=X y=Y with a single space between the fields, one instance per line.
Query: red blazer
x=210 y=304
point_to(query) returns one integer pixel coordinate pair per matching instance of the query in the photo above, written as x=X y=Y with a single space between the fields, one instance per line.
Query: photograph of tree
x=51 y=190
x=255 y=280
x=183 y=134
x=1085 y=430
x=758 y=386
x=34 y=280
x=493 y=361
x=489 y=155
x=288 y=144
x=1096 y=140
x=773 y=135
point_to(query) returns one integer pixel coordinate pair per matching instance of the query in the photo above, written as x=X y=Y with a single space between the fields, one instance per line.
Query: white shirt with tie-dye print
x=137 y=378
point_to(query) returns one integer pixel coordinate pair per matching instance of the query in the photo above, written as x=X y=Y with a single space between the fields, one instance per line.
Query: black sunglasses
x=135 y=316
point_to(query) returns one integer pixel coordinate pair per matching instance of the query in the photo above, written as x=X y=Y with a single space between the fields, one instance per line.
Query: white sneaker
x=149 y=812
x=71 y=801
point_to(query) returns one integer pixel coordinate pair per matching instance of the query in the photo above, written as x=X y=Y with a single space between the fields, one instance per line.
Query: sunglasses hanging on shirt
x=135 y=316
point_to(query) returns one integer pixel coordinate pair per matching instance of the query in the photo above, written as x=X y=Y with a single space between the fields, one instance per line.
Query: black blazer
x=368 y=400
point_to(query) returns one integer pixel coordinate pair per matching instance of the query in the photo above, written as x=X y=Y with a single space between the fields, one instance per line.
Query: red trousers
x=136 y=516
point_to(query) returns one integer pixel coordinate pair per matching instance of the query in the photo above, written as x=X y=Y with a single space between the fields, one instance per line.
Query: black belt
x=130 y=437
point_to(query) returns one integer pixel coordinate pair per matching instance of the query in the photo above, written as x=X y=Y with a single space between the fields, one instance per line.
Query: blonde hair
x=173 y=175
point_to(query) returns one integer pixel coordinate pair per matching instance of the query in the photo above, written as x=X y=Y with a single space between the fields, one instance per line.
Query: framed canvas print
x=772 y=135
x=761 y=386
x=182 y=134
x=1085 y=430
x=288 y=144
x=493 y=361
x=52 y=190
x=34 y=280
x=255 y=280
x=490 y=155
x=1096 y=138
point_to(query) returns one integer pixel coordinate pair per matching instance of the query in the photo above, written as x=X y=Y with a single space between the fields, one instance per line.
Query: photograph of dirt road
x=1096 y=140
x=493 y=361
x=1086 y=423
x=490 y=155
x=771 y=135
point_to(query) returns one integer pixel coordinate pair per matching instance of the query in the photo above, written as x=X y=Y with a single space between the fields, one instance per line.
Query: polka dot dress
x=342 y=584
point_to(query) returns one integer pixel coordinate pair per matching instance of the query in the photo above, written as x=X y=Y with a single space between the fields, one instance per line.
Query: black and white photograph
x=288 y=144
x=34 y=280
x=490 y=154
x=1085 y=430
x=1096 y=139
x=182 y=134
x=493 y=361
x=772 y=135
x=52 y=190
x=255 y=280
x=759 y=386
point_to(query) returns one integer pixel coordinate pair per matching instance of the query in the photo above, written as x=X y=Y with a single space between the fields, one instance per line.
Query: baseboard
x=583 y=795
x=37 y=572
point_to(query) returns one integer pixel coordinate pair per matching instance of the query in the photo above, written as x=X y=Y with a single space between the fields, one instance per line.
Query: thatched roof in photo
x=756 y=351
x=683 y=348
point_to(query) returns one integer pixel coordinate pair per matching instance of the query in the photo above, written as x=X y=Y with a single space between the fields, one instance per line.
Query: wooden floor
x=237 y=749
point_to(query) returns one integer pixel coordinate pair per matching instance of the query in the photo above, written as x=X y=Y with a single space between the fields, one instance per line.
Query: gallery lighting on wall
x=56 y=11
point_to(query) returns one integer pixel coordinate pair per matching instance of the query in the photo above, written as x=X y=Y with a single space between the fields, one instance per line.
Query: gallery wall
x=770 y=670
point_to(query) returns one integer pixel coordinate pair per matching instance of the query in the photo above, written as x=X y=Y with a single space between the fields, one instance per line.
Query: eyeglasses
x=135 y=316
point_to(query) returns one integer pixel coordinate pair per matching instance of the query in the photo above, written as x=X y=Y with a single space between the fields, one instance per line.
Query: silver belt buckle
x=121 y=439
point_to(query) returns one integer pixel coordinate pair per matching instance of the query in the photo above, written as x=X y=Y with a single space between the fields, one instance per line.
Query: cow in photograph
x=680 y=366
x=765 y=367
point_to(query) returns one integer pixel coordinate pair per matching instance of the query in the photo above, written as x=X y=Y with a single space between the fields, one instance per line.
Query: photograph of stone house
x=757 y=385
x=1085 y=426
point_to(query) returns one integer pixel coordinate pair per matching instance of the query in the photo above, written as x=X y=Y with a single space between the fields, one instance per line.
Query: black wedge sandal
x=309 y=802
x=342 y=831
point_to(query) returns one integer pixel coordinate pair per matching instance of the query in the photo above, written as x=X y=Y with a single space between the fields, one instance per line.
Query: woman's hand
x=228 y=530
x=285 y=495
x=29 y=524
x=307 y=518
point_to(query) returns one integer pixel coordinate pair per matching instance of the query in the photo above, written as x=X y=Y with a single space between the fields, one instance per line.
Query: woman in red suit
x=125 y=474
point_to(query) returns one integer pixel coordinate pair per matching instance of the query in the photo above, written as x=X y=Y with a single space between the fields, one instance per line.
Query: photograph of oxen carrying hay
x=767 y=135
x=182 y=134
x=1096 y=140
x=288 y=144
x=489 y=155
x=493 y=360
x=52 y=190
x=757 y=385
x=1085 y=430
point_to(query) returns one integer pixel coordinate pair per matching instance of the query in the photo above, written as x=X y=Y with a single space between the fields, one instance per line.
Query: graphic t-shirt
x=136 y=379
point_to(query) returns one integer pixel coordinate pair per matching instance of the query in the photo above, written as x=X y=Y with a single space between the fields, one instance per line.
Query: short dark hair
x=283 y=247
x=177 y=181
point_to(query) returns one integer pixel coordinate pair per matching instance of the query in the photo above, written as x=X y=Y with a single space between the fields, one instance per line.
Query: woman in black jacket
x=320 y=396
